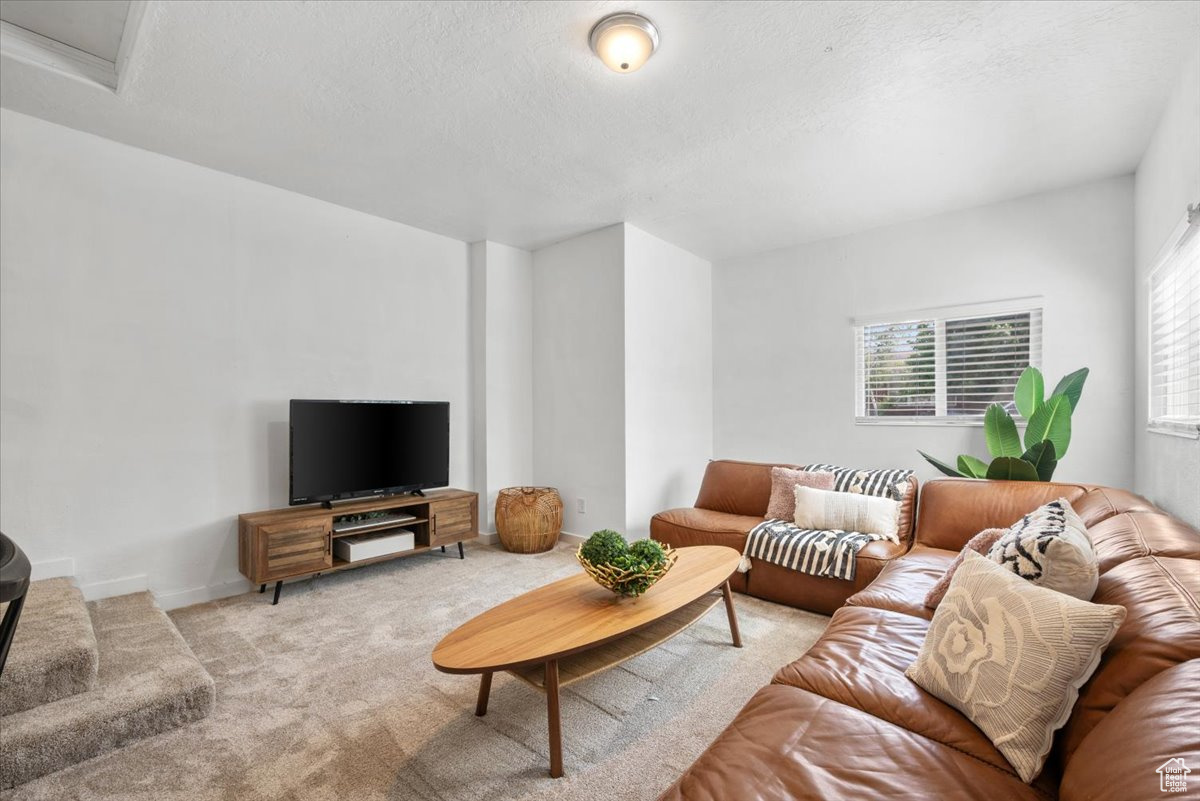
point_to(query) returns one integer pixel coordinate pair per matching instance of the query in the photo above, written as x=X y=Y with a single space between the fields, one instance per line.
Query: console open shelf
x=282 y=544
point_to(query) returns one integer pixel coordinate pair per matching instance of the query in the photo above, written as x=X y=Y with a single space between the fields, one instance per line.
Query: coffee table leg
x=553 y=721
x=733 y=626
x=485 y=689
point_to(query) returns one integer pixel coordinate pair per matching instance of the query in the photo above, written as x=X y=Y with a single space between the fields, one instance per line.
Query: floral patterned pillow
x=1011 y=656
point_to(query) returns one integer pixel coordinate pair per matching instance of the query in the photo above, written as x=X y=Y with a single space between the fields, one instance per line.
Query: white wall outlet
x=580 y=506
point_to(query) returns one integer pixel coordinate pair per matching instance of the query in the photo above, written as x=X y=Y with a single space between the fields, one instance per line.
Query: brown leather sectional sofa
x=843 y=721
x=733 y=499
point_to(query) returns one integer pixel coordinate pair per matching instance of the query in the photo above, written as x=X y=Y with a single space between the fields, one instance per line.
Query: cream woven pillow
x=1011 y=656
x=844 y=511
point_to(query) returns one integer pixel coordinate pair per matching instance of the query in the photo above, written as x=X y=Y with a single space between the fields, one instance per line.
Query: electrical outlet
x=580 y=506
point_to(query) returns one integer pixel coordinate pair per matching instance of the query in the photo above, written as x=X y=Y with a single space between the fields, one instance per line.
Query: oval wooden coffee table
x=556 y=635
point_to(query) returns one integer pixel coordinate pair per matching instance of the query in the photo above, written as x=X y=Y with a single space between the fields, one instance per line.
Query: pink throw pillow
x=784 y=481
x=981 y=543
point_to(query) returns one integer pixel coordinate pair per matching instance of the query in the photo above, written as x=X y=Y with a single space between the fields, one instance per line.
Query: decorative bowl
x=629 y=583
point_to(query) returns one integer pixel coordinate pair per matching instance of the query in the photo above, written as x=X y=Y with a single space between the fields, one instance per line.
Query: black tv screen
x=350 y=449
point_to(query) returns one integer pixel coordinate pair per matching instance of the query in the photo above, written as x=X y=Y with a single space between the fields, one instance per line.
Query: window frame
x=1188 y=226
x=1035 y=306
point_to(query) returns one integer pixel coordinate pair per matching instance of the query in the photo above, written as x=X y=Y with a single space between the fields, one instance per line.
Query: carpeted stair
x=83 y=679
x=54 y=651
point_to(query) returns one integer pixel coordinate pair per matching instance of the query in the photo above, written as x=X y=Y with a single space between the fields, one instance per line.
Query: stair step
x=53 y=653
x=149 y=682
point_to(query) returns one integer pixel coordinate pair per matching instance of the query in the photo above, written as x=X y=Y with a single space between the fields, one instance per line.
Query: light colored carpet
x=53 y=652
x=332 y=695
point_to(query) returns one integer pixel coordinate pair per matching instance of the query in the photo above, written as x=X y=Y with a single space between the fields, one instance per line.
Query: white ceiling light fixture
x=624 y=42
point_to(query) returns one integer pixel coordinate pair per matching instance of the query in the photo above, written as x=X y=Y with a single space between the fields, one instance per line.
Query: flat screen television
x=352 y=449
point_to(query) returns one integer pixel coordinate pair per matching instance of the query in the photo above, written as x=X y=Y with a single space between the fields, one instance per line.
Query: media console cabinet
x=297 y=542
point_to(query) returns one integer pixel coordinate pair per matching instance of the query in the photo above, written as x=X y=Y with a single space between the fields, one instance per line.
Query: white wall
x=1168 y=179
x=579 y=376
x=502 y=356
x=783 y=343
x=155 y=318
x=668 y=377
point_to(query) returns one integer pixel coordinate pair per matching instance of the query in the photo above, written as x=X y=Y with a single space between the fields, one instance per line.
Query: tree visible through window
x=945 y=368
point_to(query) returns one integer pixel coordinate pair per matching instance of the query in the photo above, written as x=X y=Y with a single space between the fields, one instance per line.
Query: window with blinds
x=1175 y=335
x=945 y=366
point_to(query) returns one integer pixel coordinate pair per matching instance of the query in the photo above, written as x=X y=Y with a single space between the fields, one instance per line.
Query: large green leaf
x=1042 y=457
x=1072 y=386
x=1007 y=468
x=940 y=465
x=1051 y=421
x=1001 y=432
x=1030 y=392
x=968 y=465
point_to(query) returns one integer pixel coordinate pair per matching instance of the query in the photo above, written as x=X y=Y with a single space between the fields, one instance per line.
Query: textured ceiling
x=757 y=125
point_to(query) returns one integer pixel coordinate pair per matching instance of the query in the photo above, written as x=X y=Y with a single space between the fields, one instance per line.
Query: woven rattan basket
x=631 y=583
x=528 y=519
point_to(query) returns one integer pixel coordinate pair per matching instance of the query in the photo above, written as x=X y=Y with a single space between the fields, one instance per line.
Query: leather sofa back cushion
x=954 y=510
x=1120 y=758
x=1161 y=630
x=737 y=488
x=744 y=488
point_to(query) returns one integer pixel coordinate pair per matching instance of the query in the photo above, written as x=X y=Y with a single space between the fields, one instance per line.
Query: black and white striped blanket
x=828 y=553
x=818 y=553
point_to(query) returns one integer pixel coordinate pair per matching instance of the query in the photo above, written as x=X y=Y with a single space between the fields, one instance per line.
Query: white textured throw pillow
x=1050 y=547
x=844 y=511
x=1011 y=656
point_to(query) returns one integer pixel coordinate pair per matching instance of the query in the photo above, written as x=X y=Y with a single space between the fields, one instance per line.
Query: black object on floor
x=278 y=587
x=14 y=584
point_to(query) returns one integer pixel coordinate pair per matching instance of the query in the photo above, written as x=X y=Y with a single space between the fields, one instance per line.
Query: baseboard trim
x=52 y=568
x=198 y=595
x=120 y=586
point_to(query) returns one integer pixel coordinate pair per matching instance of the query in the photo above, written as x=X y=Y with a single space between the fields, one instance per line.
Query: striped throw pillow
x=879 y=483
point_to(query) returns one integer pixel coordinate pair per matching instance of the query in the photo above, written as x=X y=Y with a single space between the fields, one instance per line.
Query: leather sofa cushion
x=1161 y=630
x=689 y=526
x=1101 y=503
x=860 y=661
x=1117 y=761
x=815 y=593
x=903 y=583
x=681 y=528
x=791 y=745
x=954 y=510
x=1131 y=535
x=737 y=488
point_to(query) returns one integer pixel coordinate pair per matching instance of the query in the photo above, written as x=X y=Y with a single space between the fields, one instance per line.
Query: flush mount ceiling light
x=624 y=42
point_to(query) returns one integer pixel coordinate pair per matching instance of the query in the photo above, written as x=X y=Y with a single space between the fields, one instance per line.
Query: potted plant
x=1047 y=432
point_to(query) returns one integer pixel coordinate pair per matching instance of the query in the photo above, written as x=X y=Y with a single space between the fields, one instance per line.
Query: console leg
x=553 y=720
x=485 y=689
x=460 y=551
x=278 y=587
x=262 y=588
x=729 y=611
x=443 y=549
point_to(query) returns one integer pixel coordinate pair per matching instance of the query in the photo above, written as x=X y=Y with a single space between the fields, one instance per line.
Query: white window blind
x=1175 y=335
x=944 y=366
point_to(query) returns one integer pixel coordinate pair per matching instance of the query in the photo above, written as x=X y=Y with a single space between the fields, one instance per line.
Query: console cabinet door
x=452 y=521
x=288 y=549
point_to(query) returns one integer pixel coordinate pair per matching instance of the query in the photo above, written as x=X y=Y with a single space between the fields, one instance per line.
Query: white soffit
x=756 y=126
x=85 y=40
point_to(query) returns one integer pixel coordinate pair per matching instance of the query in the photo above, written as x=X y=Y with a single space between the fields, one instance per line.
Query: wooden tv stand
x=297 y=542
